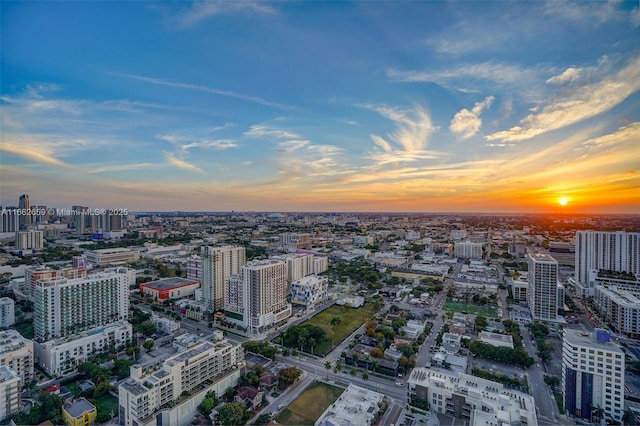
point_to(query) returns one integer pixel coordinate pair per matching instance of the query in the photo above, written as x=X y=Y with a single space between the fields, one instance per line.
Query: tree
x=206 y=406
x=365 y=376
x=233 y=413
x=629 y=418
x=228 y=394
x=263 y=419
x=327 y=366
x=335 y=321
x=147 y=328
x=287 y=376
x=353 y=371
x=133 y=351
x=121 y=368
x=148 y=344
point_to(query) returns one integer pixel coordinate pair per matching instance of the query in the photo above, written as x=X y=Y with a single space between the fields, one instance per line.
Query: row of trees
x=260 y=348
x=539 y=331
x=501 y=354
x=303 y=336
x=505 y=379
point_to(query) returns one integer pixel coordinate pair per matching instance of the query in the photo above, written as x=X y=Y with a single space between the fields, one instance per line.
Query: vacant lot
x=311 y=403
x=470 y=309
x=350 y=320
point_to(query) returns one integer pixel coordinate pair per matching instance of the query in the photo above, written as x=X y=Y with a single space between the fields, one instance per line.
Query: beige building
x=170 y=392
x=17 y=353
x=113 y=256
x=10 y=395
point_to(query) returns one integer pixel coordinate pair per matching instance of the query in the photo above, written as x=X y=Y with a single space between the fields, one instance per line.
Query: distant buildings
x=543 y=293
x=218 y=263
x=592 y=375
x=170 y=393
x=7 y=312
x=468 y=250
x=113 y=256
x=613 y=251
x=29 y=240
x=471 y=399
x=292 y=241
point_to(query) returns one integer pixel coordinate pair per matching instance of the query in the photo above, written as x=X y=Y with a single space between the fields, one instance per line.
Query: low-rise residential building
x=619 y=308
x=496 y=339
x=7 y=312
x=413 y=329
x=356 y=406
x=471 y=399
x=10 y=395
x=79 y=413
x=309 y=290
x=519 y=290
x=167 y=325
x=62 y=355
x=16 y=352
x=170 y=288
x=169 y=392
x=113 y=256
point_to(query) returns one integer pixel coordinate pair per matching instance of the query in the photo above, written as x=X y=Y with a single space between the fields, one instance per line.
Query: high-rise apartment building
x=9 y=219
x=29 y=240
x=63 y=307
x=25 y=218
x=258 y=296
x=592 y=375
x=542 y=294
x=218 y=263
x=81 y=219
x=613 y=251
x=32 y=274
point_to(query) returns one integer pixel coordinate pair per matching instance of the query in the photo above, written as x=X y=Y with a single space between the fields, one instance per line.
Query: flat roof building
x=17 y=353
x=496 y=339
x=356 y=406
x=79 y=413
x=170 y=288
x=472 y=399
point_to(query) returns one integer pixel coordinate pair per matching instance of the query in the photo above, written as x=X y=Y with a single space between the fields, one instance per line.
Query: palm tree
x=365 y=376
x=374 y=365
x=353 y=371
x=629 y=418
x=327 y=366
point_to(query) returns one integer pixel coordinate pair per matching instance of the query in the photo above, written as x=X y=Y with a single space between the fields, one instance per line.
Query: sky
x=322 y=106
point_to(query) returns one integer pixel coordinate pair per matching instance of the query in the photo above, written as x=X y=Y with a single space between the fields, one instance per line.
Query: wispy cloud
x=186 y=143
x=33 y=153
x=569 y=75
x=413 y=127
x=121 y=167
x=584 y=12
x=199 y=11
x=262 y=130
x=468 y=123
x=205 y=89
x=584 y=102
x=180 y=163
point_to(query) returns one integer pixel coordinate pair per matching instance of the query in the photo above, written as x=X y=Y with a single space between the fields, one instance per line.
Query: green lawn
x=106 y=403
x=26 y=329
x=470 y=309
x=74 y=388
x=350 y=320
x=309 y=405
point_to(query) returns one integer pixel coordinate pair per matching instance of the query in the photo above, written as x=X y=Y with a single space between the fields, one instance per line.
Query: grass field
x=309 y=405
x=350 y=320
x=106 y=403
x=470 y=309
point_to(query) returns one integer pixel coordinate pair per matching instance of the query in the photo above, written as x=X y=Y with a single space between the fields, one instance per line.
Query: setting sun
x=563 y=201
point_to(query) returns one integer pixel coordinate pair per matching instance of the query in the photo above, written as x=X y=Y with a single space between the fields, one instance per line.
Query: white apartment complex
x=16 y=353
x=7 y=312
x=63 y=307
x=542 y=294
x=478 y=401
x=62 y=355
x=258 y=297
x=309 y=290
x=218 y=263
x=10 y=392
x=614 y=251
x=468 y=250
x=592 y=374
x=619 y=308
x=154 y=392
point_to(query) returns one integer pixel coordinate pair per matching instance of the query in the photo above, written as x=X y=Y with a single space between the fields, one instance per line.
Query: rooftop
x=582 y=338
x=170 y=283
x=77 y=408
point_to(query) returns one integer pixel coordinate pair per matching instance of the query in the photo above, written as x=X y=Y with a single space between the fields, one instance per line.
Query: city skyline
x=464 y=107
